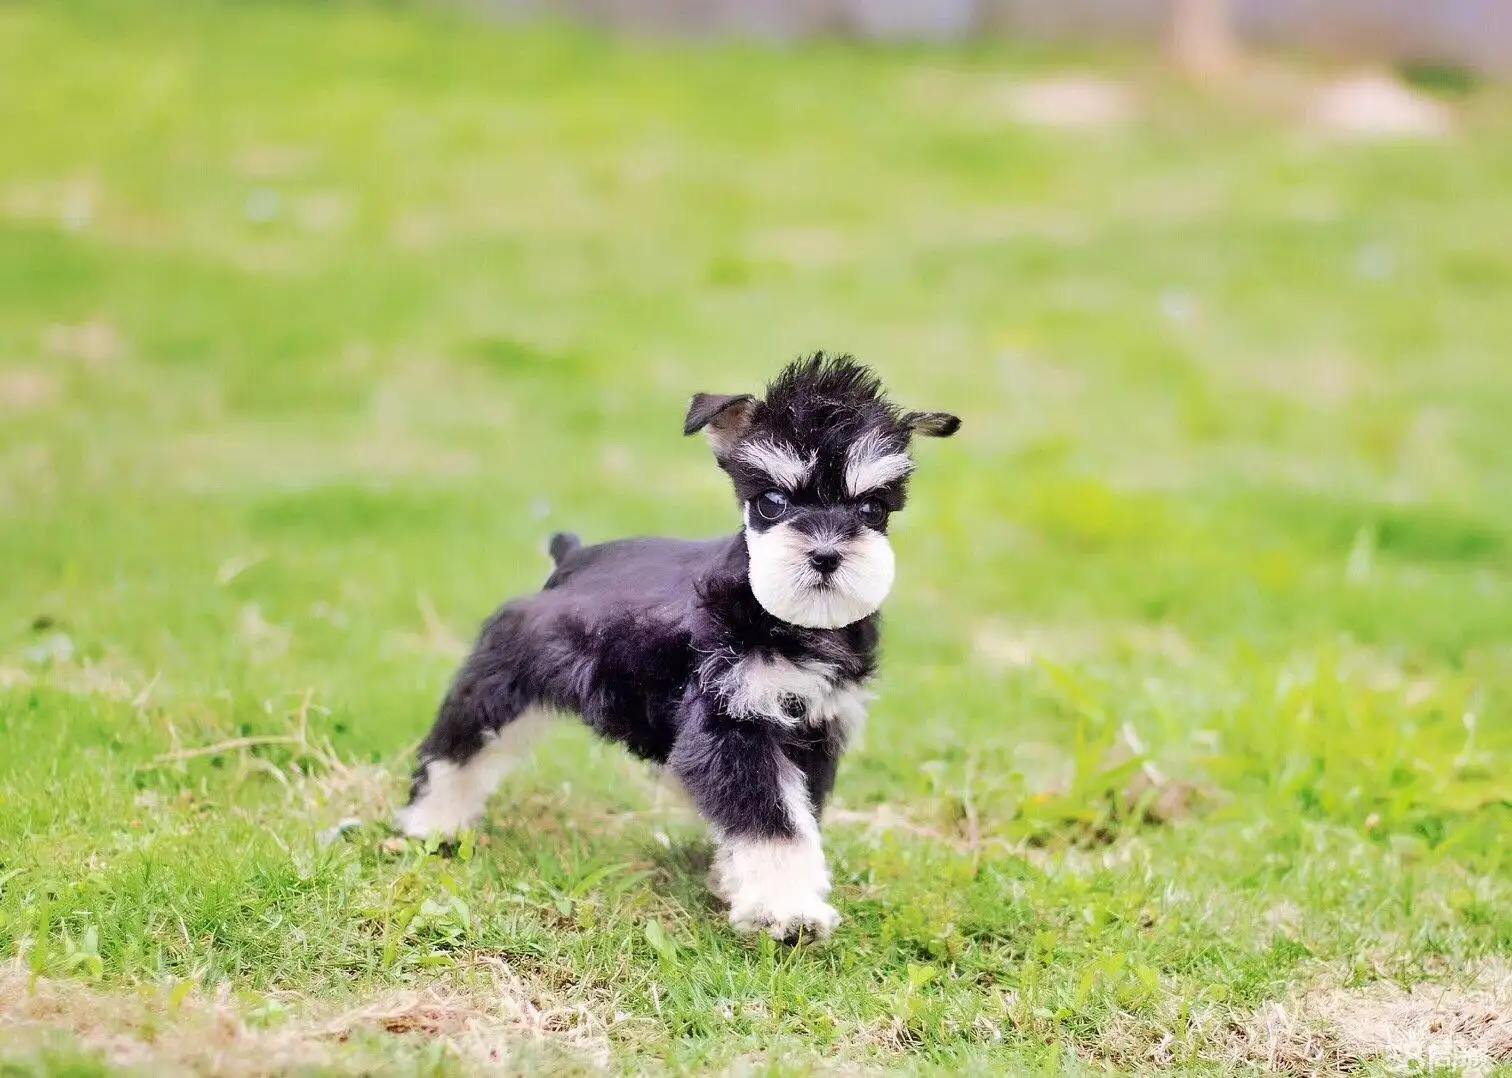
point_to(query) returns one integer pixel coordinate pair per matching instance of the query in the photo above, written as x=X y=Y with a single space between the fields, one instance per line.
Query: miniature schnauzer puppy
x=741 y=663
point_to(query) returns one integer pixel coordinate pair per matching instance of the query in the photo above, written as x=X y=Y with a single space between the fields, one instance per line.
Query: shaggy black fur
x=631 y=635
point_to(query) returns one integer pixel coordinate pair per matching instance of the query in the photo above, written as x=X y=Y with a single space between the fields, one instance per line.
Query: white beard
x=789 y=589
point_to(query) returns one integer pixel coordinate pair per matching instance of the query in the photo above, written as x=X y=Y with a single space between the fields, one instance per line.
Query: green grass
x=315 y=320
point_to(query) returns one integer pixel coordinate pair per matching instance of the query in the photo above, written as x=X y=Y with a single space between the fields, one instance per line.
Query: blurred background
x=1202 y=33
x=317 y=318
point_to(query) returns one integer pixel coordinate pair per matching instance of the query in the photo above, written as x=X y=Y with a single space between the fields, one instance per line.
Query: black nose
x=825 y=561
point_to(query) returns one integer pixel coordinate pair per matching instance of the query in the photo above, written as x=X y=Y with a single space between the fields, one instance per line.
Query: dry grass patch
x=1079 y=102
x=1428 y=1026
x=1075 y=101
x=95 y=343
x=316 y=777
x=24 y=390
x=1376 y=106
x=490 y=1025
x=51 y=662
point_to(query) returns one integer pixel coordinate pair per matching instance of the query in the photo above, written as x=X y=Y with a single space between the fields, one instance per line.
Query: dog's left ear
x=932 y=424
x=722 y=418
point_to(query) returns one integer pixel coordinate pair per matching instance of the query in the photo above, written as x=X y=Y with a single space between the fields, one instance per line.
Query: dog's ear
x=932 y=424
x=722 y=418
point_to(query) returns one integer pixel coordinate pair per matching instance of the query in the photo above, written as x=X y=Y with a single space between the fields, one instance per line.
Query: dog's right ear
x=723 y=419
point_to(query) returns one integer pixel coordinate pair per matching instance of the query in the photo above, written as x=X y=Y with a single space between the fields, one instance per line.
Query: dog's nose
x=825 y=562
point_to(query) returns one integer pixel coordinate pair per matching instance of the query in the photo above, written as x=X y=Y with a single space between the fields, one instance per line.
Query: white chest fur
x=787 y=692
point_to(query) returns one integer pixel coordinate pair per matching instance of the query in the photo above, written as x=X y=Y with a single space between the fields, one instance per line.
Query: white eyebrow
x=872 y=463
x=786 y=467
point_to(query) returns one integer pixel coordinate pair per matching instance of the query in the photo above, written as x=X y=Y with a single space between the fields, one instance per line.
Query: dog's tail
x=562 y=544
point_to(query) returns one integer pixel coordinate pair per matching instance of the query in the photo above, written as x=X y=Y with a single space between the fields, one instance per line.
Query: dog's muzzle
x=822 y=585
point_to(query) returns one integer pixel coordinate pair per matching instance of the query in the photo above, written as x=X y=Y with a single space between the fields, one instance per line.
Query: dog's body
x=740 y=663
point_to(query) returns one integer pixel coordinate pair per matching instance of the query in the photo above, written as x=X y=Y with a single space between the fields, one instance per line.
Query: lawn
x=1192 y=749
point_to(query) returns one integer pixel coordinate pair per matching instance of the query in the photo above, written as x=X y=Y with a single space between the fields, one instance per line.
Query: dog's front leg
x=769 y=865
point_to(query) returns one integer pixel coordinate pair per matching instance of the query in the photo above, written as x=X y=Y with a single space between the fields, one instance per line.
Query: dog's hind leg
x=487 y=721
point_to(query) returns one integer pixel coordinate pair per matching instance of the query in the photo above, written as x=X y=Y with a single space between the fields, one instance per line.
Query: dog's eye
x=873 y=513
x=772 y=505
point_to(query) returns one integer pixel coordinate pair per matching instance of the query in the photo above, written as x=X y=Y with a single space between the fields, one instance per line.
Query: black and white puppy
x=740 y=663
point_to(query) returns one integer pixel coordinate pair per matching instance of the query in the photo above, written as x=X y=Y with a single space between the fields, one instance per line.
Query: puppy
x=740 y=663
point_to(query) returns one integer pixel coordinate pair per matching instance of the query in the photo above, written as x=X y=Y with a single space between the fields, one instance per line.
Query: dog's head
x=819 y=466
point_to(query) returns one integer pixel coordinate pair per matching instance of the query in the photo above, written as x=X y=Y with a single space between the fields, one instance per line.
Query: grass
x=316 y=319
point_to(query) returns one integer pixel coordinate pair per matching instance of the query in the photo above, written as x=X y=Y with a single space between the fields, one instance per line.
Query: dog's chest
x=788 y=692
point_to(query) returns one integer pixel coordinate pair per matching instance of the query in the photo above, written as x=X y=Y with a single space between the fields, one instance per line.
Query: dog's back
x=635 y=571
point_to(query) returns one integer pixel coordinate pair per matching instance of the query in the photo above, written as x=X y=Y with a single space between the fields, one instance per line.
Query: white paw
x=445 y=806
x=776 y=886
x=784 y=919
x=416 y=821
